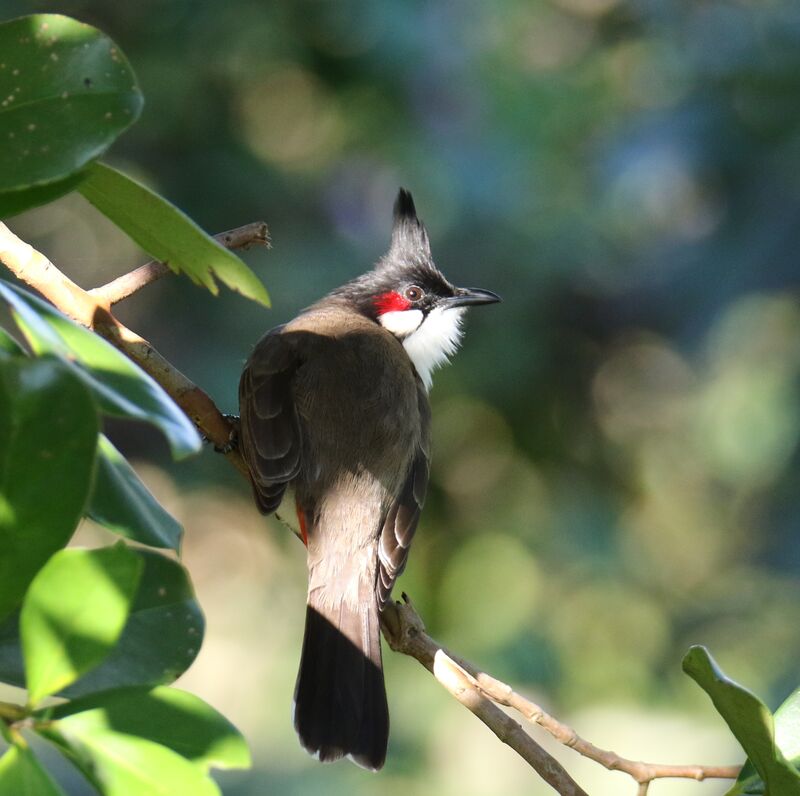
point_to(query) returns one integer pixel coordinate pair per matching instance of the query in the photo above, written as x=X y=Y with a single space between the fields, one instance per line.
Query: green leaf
x=13 y=202
x=122 y=503
x=175 y=719
x=160 y=641
x=48 y=438
x=73 y=614
x=122 y=388
x=21 y=774
x=749 y=720
x=787 y=726
x=163 y=634
x=8 y=345
x=66 y=93
x=123 y=765
x=168 y=234
x=787 y=739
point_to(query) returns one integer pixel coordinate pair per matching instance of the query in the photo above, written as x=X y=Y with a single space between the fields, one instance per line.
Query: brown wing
x=269 y=434
x=403 y=515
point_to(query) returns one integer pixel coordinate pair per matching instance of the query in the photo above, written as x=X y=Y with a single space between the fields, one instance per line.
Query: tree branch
x=402 y=627
x=126 y=285
x=643 y=773
x=88 y=309
x=405 y=632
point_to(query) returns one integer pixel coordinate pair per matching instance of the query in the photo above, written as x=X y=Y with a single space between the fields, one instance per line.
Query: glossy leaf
x=749 y=720
x=66 y=93
x=21 y=774
x=167 y=233
x=122 y=503
x=175 y=719
x=160 y=641
x=787 y=739
x=124 y=765
x=73 y=614
x=122 y=388
x=787 y=726
x=162 y=636
x=48 y=437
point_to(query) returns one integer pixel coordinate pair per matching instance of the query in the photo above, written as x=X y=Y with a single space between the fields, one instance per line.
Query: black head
x=409 y=296
x=406 y=277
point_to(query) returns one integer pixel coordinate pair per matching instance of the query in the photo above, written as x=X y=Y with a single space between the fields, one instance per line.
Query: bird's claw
x=233 y=438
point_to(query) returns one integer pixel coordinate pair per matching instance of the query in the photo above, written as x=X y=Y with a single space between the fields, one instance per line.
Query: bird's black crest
x=408 y=234
x=404 y=207
x=407 y=262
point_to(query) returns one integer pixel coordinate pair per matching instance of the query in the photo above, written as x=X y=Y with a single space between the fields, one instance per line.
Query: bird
x=335 y=432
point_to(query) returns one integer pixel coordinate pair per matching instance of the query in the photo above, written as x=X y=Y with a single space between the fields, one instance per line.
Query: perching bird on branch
x=335 y=429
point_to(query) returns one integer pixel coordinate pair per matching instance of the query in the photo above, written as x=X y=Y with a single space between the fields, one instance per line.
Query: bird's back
x=363 y=441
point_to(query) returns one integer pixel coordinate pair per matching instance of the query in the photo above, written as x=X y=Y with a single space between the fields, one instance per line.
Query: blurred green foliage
x=615 y=468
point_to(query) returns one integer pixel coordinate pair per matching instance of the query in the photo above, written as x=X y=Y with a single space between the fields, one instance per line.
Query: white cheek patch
x=401 y=322
x=434 y=341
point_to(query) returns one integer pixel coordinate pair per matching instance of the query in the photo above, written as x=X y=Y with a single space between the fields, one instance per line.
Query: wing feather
x=403 y=515
x=270 y=435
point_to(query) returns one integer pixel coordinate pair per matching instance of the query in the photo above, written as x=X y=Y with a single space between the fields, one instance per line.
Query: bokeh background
x=615 y=469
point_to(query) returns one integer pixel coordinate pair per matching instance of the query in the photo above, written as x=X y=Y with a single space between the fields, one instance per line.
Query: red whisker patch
x=390 y=302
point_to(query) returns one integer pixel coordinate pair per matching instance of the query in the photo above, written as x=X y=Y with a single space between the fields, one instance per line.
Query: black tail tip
x=370 y=759
x=340 y=707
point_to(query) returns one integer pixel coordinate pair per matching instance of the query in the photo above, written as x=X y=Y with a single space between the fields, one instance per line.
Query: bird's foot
x=233 y=439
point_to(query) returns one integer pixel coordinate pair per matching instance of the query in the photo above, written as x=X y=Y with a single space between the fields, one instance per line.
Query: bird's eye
x=414 y=293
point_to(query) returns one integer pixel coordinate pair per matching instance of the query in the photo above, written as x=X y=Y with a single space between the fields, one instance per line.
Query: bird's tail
x=340 y=698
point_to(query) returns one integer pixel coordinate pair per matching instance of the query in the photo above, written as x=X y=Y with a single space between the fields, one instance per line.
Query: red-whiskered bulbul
x=335 y=422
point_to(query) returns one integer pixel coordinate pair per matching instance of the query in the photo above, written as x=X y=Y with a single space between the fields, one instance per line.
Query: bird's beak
x=464 y=296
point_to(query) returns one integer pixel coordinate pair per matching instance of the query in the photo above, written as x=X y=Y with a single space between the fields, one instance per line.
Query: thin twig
x=503 y=694
x=406 y=625
x=33 y=268
x=126 y=285
x=405 y=632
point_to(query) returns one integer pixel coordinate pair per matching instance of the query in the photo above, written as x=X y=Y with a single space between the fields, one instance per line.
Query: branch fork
x=93 y=309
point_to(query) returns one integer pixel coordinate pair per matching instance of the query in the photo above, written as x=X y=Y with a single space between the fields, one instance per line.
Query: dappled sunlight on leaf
x=73 y=614
x=162 y=635
x=48 y=431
